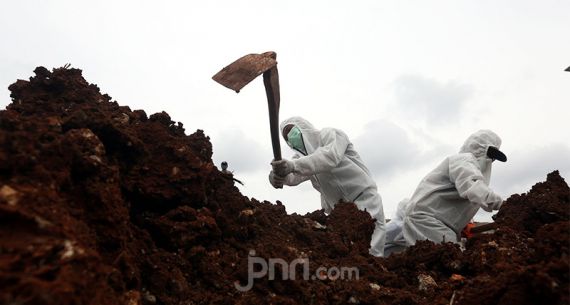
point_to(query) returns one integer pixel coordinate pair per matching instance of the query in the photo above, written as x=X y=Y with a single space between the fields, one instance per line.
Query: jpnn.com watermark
x=259 y=267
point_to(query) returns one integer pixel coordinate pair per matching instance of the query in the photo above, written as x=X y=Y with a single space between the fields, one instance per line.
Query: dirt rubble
x=100 y=204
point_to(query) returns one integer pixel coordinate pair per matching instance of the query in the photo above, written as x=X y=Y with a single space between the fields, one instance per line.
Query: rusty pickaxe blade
x=242 y=71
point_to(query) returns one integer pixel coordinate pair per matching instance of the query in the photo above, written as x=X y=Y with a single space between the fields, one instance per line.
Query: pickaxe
x=242 y=71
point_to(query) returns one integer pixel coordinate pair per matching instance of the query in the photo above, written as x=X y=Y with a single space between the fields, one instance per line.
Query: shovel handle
x=484 y=228
x=271 y=82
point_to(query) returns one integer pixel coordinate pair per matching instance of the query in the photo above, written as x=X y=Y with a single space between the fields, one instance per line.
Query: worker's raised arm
x=295 y=179
x=325 y=158
x=468 y=179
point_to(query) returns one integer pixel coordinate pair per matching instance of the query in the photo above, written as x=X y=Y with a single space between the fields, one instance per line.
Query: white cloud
x=438 y=103
x=388 y=149
x=243 y=154
x=524 y=168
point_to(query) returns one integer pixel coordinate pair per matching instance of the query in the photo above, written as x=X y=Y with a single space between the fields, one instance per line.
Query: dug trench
x=100 y=204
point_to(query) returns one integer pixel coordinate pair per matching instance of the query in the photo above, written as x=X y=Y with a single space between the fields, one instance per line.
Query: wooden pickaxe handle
x=271 y=82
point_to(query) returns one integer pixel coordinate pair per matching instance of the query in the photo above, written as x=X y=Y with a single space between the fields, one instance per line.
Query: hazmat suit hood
x=308 y=131
x=478 y=144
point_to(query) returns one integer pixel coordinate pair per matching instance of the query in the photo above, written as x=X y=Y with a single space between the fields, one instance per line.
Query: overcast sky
x=408 y=81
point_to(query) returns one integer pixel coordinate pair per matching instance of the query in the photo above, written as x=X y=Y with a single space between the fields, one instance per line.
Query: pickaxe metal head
x=242 y=71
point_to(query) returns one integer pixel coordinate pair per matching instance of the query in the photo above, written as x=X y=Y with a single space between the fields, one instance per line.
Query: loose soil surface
x=100 y=204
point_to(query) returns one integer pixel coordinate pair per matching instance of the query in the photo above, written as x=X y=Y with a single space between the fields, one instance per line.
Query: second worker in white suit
x=327 y=158
x=451 y=194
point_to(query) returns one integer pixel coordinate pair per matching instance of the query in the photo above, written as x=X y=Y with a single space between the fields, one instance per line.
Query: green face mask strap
x=303 y=149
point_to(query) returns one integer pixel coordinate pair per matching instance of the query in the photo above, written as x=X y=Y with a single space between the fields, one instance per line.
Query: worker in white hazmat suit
x=328 y=159
x=395 y=241
x=450 y=195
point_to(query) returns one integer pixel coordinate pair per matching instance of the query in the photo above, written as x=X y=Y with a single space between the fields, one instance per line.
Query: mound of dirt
x=100 y=204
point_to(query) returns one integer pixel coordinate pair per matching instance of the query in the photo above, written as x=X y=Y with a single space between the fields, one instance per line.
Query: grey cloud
x=524 y=168
x=242 y=153
x=387 y=149
x=435 y=102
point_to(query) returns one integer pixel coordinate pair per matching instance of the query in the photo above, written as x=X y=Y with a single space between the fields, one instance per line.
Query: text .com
x=258 y=267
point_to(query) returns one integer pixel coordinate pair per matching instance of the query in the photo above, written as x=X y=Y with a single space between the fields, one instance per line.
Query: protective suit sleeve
x=326 y=157
x=293 y=179
x=469 y=182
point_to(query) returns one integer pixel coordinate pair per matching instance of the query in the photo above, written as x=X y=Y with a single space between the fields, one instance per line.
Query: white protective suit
x=395 y=241
x=450 y=195
x=337 y=172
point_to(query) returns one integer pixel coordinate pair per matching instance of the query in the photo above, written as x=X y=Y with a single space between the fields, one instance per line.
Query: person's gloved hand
x=495 y=204
x=283 y=167
x=276 y=181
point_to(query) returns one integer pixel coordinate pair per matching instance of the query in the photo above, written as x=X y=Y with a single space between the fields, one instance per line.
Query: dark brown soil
x=100 y=204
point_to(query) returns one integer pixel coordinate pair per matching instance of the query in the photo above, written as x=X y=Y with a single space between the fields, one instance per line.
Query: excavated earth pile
x=100 y=204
